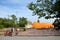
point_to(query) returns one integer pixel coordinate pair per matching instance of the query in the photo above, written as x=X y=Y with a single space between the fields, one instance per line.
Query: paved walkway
x=36 y=32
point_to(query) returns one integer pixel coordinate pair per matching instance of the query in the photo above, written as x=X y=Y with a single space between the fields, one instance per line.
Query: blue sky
x=19 y=8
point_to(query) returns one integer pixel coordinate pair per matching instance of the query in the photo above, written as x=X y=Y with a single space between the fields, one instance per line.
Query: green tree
x=1 y=26
x=22 y=22
x=1 y=20
x=7 y=22
x=1 y=23
x=46 y=8
x=56 y=9
x=42 y=8
x=14 y=19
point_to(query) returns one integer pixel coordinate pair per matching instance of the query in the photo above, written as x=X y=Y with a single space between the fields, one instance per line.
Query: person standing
x=17 y=31
x=12 y=30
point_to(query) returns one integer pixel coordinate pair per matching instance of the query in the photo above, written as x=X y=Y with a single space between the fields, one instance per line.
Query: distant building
x=39 y=25
x=29 y=25
x=42 y=25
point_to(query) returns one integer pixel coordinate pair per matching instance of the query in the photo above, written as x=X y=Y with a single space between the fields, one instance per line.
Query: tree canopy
x=22 y=22
x=45 y=8
x=13 y=22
